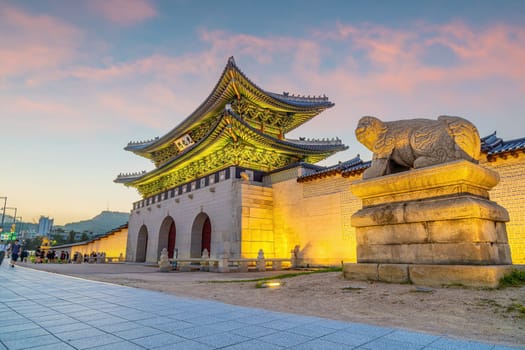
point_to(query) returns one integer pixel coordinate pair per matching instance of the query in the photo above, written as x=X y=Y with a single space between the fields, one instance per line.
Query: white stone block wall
x=510 y=194
x=215 y=200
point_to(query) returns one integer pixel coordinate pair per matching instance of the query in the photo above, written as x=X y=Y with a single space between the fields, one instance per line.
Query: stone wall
x=315 y=216
x=510 y=194
x=257 y=220
x=113 y=245
x=281 y=213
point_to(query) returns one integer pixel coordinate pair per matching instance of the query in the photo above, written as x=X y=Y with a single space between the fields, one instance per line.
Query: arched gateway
x=200 y=236
x=167 y=237
x=142 y=244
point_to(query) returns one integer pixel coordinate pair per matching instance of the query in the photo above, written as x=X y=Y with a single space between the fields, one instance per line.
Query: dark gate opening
x=171 y=240
x=206 y=236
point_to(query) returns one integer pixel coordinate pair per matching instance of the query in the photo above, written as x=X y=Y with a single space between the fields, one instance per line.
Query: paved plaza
x=42 y=310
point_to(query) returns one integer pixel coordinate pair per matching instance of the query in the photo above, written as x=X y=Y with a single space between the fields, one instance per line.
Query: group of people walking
x=50 y=256
x=13 y=249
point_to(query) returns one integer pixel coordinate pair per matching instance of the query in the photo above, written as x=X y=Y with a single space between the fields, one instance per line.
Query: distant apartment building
x=45 y=224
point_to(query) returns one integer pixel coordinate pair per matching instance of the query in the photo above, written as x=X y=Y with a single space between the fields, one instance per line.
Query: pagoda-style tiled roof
x=233 y=86
x=345 y=169
x=257 y=150
x=239 y=124
x=494 y=146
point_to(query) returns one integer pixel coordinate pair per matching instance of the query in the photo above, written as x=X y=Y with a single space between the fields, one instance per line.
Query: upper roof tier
x=272 y=113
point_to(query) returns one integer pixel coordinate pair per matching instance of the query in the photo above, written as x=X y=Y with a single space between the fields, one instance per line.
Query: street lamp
x=14 y=216
x=3 y=212
x=20 y=228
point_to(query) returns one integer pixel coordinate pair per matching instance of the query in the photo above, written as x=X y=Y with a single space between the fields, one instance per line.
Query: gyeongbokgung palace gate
x=227 y=180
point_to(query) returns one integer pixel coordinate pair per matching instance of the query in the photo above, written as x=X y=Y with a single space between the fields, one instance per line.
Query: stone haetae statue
x=416 y=143
x=164 y=262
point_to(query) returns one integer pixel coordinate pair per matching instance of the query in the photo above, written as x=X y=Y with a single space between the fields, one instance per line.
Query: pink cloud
x=494 y=51
x=397 y=56
x=123 y=12
x=34 y=42
x=34 y=114
x=160 y=65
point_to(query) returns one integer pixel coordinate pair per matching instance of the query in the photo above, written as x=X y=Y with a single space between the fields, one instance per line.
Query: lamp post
x=3 y=212
x=20 y=228
x=14 y=216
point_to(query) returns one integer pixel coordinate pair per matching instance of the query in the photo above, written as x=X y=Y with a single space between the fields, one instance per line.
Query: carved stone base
x=428 y=275
x=440 y=215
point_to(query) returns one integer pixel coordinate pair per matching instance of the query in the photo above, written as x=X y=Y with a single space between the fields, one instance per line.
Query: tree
x=34 y=243
x=71 y=238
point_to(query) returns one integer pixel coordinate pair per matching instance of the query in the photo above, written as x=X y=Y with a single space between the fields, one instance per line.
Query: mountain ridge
x=99 y=224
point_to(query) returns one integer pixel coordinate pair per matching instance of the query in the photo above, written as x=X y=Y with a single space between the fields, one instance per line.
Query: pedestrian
x=15 y=251
x=25 y=253
x=3 y=248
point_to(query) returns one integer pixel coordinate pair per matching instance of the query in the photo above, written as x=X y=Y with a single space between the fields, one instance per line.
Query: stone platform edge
x=486 y=276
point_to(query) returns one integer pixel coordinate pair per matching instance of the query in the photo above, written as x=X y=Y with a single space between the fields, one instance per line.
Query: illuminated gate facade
x=211 y=167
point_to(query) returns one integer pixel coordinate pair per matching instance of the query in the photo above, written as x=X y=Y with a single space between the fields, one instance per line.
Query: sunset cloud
x=43 y=116
x=32 y=43
x=123 y=12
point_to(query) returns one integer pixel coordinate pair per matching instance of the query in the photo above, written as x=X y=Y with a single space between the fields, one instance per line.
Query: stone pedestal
x=435 y=216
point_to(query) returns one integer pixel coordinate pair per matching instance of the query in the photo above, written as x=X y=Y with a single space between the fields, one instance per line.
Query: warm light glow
x=271 y=284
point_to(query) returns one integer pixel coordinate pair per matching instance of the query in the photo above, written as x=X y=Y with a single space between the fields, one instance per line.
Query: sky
x=81 y=79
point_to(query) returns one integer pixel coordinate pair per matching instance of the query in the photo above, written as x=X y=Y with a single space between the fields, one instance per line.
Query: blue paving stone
x=54 y=346
x=195 y=332
x=91 y=342
x=382 y=343
x=26 y=333
x=312 y=330
x=221 y=340
x=225 y=326
x=118 y=346
x=67 y=327
x=156 y=340
x=18 y=327
x=171 y=326
x=186 y=345
x=345 y=338
x=79 y=334
x=412 y=337
x=318 y=344
x=458 y=344
x=252 y=331
x=257 y=319
x=360 y=328
x=135 y=333
x=24 y=343
x=253 y=344
x=285 y=339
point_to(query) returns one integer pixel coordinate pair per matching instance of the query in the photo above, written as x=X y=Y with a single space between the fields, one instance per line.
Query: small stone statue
x=164 y=262
x=410 y=144
x=261 y=262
